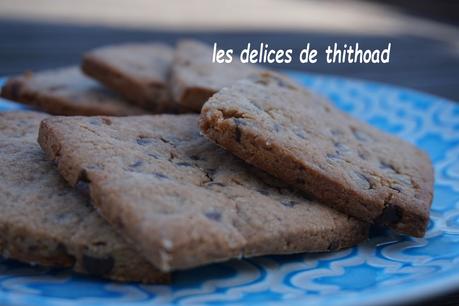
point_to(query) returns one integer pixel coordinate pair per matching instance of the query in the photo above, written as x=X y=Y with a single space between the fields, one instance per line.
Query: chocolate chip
x=390 y=215
x=83 y=187
x=262 y=81
x=395 y=174
x=334 y=245
x=106 y=120
x=136 y=164
x=209 y=175
x=238 y=134
x=184 y=164
x=336 y=132
x=237 y=131
x=386 y=166
x=308 y=196
x=172 y=156
x=95 y=167
x=281 y=190
x=241 y=122
x=170 y=140
x=95 y=121
x=327 y=108
x=396 y=188
x=300 y=134
x=281 y=83
x=195 y=157
x=213 y=215
x=342 y=149
x=160 y=175
x=153 y=155
x=98 y=266
x=215 y=184
x=362 y=155
x=360 y=135
x=361 y=180
x=83 y=183
x=263 y=192
x=333 y=157
x=288 y=203
x=143 y=140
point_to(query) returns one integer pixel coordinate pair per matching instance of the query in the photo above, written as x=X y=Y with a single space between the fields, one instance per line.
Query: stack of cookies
x=158 y=160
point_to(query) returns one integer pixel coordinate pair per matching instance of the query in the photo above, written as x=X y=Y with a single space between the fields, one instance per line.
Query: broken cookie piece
x=137 y=71
x=66 y=91
x=195 y=78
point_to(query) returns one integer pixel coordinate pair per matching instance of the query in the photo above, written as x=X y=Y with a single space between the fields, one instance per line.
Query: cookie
x=44 y=221
x=195 y=78
x=182 y=200
x=139 y=72
x=66 y=91
x=280 y=127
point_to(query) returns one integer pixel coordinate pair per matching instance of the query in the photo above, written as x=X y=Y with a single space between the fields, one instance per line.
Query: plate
x=388 y=268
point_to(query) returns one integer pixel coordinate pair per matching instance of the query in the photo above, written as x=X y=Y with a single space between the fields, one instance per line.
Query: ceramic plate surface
x=389 y=268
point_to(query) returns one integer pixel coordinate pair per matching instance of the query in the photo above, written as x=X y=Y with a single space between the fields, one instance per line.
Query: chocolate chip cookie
x=66 y=91
x=275 y=124
x=44 y=221
x=195 y=78
x=182 y=200
x=137 y=71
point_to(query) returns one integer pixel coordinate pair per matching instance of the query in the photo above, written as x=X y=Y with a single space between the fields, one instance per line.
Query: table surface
x=421 y=63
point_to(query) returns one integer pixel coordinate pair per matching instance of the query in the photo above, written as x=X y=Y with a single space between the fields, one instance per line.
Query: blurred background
x=38 y=34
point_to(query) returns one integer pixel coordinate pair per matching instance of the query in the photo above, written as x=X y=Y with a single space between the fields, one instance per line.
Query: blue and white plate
x=389 y=268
